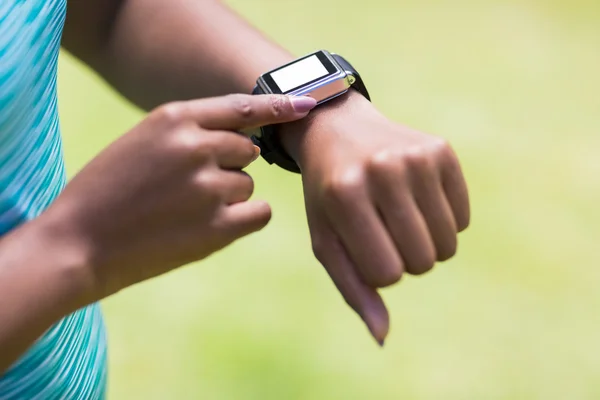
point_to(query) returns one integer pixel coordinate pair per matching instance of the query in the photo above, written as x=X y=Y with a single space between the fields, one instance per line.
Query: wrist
x=299 y=138
x=44 y=255
x=38 y=287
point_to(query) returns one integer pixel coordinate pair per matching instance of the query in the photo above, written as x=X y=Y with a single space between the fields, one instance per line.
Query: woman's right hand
x=169 y=192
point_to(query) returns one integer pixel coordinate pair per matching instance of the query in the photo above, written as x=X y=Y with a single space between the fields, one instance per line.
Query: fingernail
x=303 y=104
x=256 y=154
x=378 y=325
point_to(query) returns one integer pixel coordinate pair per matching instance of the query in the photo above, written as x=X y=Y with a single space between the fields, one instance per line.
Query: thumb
x=239 y=111
x=244 y=218
x=364 y=300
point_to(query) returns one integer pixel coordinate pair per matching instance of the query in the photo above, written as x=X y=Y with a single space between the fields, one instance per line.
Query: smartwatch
x=321 y=75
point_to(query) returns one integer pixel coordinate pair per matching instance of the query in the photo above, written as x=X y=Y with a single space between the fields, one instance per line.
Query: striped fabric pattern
x=69 y=361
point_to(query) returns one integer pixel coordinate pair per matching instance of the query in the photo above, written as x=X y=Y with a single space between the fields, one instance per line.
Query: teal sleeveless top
x=69 y=360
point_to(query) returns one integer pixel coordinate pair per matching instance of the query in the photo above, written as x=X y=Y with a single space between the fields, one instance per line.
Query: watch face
x=299 y=73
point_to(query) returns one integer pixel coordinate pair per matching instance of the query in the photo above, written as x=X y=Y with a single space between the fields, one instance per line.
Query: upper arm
x=88 y=26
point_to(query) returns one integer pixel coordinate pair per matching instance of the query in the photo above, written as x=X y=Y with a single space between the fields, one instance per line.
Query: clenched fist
x=382 y=200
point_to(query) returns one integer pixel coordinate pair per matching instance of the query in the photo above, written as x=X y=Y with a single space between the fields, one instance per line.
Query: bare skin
x=359 y=168
x=122 y=220
x=381 y=199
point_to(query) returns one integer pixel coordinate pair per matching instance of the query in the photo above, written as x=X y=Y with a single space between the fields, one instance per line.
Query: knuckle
x=247 y=185
x=241 y=104
x=388 y=277
x=419 y=158
x=427 y=157
x=448 y=251
x=170 y=113
x=190 y=142
x=464 y=222
x=343 y=186
x=264 y=216
x=385 y=162
x=446 y=155
x=440 y=146
x=424 y=264
x=247 y=148
x=208 y=185
x=277 y=105
x=260 y=218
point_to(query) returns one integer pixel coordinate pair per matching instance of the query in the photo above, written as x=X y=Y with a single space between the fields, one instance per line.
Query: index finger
x=240 y=111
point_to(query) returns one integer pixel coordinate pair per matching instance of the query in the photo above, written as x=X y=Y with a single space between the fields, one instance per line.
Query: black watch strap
x=270 y=147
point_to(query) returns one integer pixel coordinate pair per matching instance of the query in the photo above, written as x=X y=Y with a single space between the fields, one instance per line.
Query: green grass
x=514 y=85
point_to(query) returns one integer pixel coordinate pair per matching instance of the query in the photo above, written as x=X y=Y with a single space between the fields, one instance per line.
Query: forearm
x=37 y=288
x=157 y=51
x=154 y=51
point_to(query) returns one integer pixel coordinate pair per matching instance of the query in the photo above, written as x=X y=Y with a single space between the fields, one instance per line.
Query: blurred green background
x=514 y=85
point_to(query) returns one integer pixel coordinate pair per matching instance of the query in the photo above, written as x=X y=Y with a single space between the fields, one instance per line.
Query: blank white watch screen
x=299 y=73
